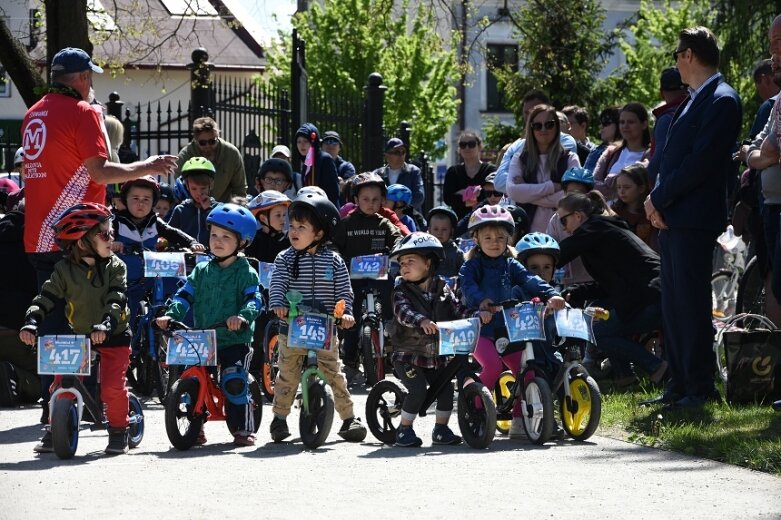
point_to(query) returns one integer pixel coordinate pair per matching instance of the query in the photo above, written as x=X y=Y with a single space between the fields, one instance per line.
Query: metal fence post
x=373 y=129
x=200 y=84
x=114 y=105
x=405 y=133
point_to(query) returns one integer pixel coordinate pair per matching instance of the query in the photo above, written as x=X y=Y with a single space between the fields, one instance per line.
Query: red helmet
x=77 y=220
x=147 y=181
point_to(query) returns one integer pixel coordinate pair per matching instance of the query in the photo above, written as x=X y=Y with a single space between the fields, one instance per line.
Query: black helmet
x=520 y=217
x=325 y=211
x=447 y=211
x=276 y=165
x=167 y=193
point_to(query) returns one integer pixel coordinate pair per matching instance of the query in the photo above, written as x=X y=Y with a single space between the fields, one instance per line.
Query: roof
x=146 y=35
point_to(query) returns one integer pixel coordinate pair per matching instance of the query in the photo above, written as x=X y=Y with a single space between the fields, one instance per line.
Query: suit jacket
x=410 y=177
x=696 y=160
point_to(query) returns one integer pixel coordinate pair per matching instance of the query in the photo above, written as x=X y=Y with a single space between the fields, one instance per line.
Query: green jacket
x=215 y=294
x=92 y=294
x=230 y=179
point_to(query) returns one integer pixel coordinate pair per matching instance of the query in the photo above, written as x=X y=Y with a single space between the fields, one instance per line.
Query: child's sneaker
x=243 y=439
x=517 y=431
x=406 y=438
x=117 y=441
x=442 y=434
x=352 y=430
x=45 y=445
x=279 y=430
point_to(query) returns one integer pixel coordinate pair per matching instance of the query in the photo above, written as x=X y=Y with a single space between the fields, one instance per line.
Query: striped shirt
x=322 y=280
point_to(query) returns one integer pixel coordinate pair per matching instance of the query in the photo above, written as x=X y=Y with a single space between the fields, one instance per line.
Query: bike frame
x=528 y=363
x=211 y=401
x=311 y=370
x=370 y=315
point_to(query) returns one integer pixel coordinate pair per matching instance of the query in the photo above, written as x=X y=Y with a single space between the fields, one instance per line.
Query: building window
x=499 y=55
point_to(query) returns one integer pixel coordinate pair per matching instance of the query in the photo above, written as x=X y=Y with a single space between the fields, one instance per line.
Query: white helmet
x=19 y=157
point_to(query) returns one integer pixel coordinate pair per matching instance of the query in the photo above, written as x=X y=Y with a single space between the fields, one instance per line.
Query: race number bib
x=164 y=265
x=193 y=348
x=458 y=336
x=451 y=281
x=572 y=323
x=60 y=355
x=466 y=245
x=524 y=322
x=310 y=331
x=265 y=270
x=374 y=267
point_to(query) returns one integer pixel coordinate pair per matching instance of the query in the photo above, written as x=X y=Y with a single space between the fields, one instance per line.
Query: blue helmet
x=537 y=243
x=578 y=174
x=234 y=218
x=399 y=193
x=180 y=190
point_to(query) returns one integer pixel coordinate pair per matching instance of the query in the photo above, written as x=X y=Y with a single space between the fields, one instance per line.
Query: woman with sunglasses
x=626 y=275
x=634 y=147
x=472 y=171
x=534 y=176
x=608 y=134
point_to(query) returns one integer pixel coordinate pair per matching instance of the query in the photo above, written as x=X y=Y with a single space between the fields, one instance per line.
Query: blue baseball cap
x=71 y=59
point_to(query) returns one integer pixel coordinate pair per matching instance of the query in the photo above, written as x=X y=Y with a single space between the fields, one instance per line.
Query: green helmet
x=198 y=165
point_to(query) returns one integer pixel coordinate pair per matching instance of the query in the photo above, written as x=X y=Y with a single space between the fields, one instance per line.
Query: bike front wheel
x=582 y=410
x=373 y=362
x=476 y=415
x=182 y=423
x=724 y=293
x=383 y=410
x=270 y=367
x=751 y=290
x=315 y=423
x=65 y=428
x=537 y=410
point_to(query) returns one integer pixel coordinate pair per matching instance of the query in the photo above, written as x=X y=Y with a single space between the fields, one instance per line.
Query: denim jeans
x=613 y=337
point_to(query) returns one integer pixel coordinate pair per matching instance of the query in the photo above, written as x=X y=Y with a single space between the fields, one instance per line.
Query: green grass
x=748 y=436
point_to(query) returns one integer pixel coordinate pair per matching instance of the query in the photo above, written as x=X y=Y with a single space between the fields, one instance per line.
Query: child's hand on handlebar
x=27 y=336
x=97 y=337
x=488 y=305
x=429 y=327
x=236 y=323
x=163 y=322
x=347 y=321
x=197 y=247
x=556 y=303
x=281 y=312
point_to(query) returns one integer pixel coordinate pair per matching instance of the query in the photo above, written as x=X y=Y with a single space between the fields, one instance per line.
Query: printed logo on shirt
x=34 y=139
x=328 y=274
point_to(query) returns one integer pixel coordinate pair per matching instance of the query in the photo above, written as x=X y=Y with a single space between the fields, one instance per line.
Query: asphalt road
x=601 y=478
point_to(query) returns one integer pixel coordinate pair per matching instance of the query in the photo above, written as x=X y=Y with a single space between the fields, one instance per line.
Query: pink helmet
x=494 y=215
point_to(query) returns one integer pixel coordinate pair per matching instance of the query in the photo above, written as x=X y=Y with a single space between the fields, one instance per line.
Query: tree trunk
x=21 y=69
x=66 y=26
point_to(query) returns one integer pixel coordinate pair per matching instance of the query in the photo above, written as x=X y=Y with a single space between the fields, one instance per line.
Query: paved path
x=600 y=479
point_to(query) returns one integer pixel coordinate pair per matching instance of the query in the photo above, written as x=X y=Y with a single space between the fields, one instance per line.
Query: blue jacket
x=191 y=219
x=482 y=277
x=696 y=160
x=410 y=177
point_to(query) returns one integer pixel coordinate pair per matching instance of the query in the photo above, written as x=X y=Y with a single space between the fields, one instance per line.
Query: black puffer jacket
x=625 y=268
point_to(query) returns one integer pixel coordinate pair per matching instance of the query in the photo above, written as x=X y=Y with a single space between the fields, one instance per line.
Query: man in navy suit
x=689 y=206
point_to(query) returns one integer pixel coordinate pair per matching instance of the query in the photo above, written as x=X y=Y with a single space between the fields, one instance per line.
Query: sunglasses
x=207 y=142
x=106 y=235
x=677 y=52
x=563 y=219
x=548 y=125
x=467 y=144
x=489 y=193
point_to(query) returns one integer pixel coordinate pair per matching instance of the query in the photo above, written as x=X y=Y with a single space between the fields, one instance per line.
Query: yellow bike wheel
x=580 y=414
x=502 y=392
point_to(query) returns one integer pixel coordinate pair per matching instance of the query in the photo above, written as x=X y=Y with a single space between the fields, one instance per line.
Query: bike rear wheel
x=502 y=392
x=270 y=367
x=537 y=410
x=136 y=429
x=383 y=410
x=182 y=424
x=751 y=290
x=315 y=424
x=476 y=415
x=65 y=428
x=581 y=412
